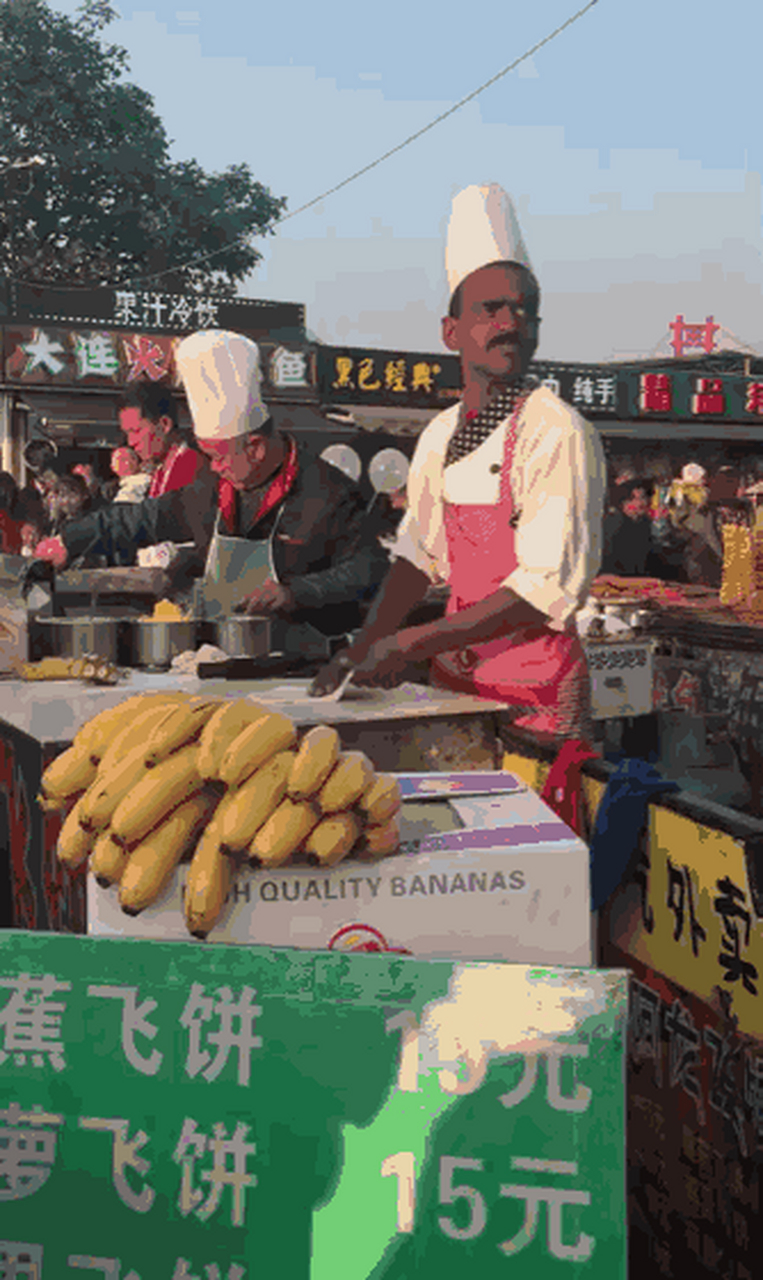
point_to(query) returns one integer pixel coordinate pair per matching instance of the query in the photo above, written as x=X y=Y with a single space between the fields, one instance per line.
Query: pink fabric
x=527 y=668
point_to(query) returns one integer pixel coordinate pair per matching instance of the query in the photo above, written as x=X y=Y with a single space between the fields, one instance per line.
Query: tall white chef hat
x=221 y=376
x=483 y=228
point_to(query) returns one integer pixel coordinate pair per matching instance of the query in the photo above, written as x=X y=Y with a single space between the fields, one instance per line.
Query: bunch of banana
x=143 y=784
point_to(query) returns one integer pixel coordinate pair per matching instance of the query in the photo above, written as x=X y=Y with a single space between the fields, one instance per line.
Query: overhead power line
x=359 y=173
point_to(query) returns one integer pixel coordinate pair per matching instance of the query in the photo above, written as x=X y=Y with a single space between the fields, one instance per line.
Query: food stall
x=319 y=1082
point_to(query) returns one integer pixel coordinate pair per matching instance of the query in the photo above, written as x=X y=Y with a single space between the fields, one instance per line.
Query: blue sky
x=632 y=145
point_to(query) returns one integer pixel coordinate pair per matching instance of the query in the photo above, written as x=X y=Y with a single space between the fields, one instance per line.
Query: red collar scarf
x=275 y=493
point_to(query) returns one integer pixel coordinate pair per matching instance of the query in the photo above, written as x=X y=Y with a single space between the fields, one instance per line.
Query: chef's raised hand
x=52 y=550
x=271 y=597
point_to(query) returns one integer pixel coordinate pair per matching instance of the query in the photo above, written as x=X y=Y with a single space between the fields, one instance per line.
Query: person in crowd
x=149 y=420
x=276 y=504
x=86 y=471
x=10 y=525
x=698 y=525
x=505 y=499
x=134 y=480
x=66 y=500
x=628 y=548
x=41 y=463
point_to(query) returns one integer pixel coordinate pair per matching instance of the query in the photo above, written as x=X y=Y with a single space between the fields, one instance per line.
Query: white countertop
x=53 y=710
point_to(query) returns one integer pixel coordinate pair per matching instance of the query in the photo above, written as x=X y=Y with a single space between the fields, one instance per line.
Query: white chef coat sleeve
x=421 y=536
x=558 y=483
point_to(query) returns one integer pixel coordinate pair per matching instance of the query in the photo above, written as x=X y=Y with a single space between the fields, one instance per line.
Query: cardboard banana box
x=487 y=871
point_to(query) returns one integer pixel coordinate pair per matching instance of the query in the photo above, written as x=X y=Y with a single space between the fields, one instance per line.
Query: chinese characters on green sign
x=176 y=1112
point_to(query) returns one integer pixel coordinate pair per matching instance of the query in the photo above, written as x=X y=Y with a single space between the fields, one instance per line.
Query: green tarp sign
x=173 y=1111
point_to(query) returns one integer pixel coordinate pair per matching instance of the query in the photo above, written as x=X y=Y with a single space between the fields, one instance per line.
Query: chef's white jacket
x=558 y=483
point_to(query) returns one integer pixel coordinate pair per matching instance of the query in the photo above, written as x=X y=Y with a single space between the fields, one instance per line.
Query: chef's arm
x=497 y=615
x=500 y=613
x=116 y=532
x=403 y=588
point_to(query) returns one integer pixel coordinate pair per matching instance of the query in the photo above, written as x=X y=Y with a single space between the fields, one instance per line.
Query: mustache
x=502 y=340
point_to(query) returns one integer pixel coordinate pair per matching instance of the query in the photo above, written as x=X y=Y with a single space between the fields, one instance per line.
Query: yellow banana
x=251 y=804
x=209 y=879
x=159 y=792
x=151 y=863
x=110 y=788
x=350 y=778
x=70 y=773
x=221 y=729
x=74 y=844
x=380 y=841
x=255 y=745
x=317 y=755
x=98 y=732
x=108 y=860
x=180 y=726
x=332 y=839
x=382 y=799
x=283 y=833
x=135 y=732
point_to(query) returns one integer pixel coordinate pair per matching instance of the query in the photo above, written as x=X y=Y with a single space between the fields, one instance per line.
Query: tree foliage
x=108 y=206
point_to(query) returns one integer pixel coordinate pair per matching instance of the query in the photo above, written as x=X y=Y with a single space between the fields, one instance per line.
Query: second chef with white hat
x=288 y=532
x=505 y=501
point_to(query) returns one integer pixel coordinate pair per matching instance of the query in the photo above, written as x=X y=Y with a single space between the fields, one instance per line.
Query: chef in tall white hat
x=505 y=501
x=288 y=538
x=285 y=533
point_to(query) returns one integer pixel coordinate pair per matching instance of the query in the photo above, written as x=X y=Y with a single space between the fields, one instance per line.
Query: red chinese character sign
x=692 y=337
x=754 y=398
x=708 y=399
x=147 y=358
x=655 y=393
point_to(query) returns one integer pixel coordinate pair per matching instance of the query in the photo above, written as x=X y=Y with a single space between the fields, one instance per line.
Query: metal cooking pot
x=156 y=643
x=74 y=637
x=243 y=637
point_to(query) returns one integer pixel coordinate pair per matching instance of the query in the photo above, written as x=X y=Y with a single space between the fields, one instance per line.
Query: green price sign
x=171 y=1111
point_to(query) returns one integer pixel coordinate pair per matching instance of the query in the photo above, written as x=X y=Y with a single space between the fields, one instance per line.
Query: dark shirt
x=627 y=545
x=324 y=548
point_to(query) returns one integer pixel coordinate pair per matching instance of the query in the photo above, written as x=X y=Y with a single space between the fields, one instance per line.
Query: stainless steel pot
x=243 y=637
x=75 y=637
x=156 y=643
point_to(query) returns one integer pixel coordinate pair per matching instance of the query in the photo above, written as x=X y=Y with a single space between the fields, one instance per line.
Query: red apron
x=535 y=668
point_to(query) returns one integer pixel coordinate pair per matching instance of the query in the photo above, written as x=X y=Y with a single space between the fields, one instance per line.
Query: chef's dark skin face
x=496 y=330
